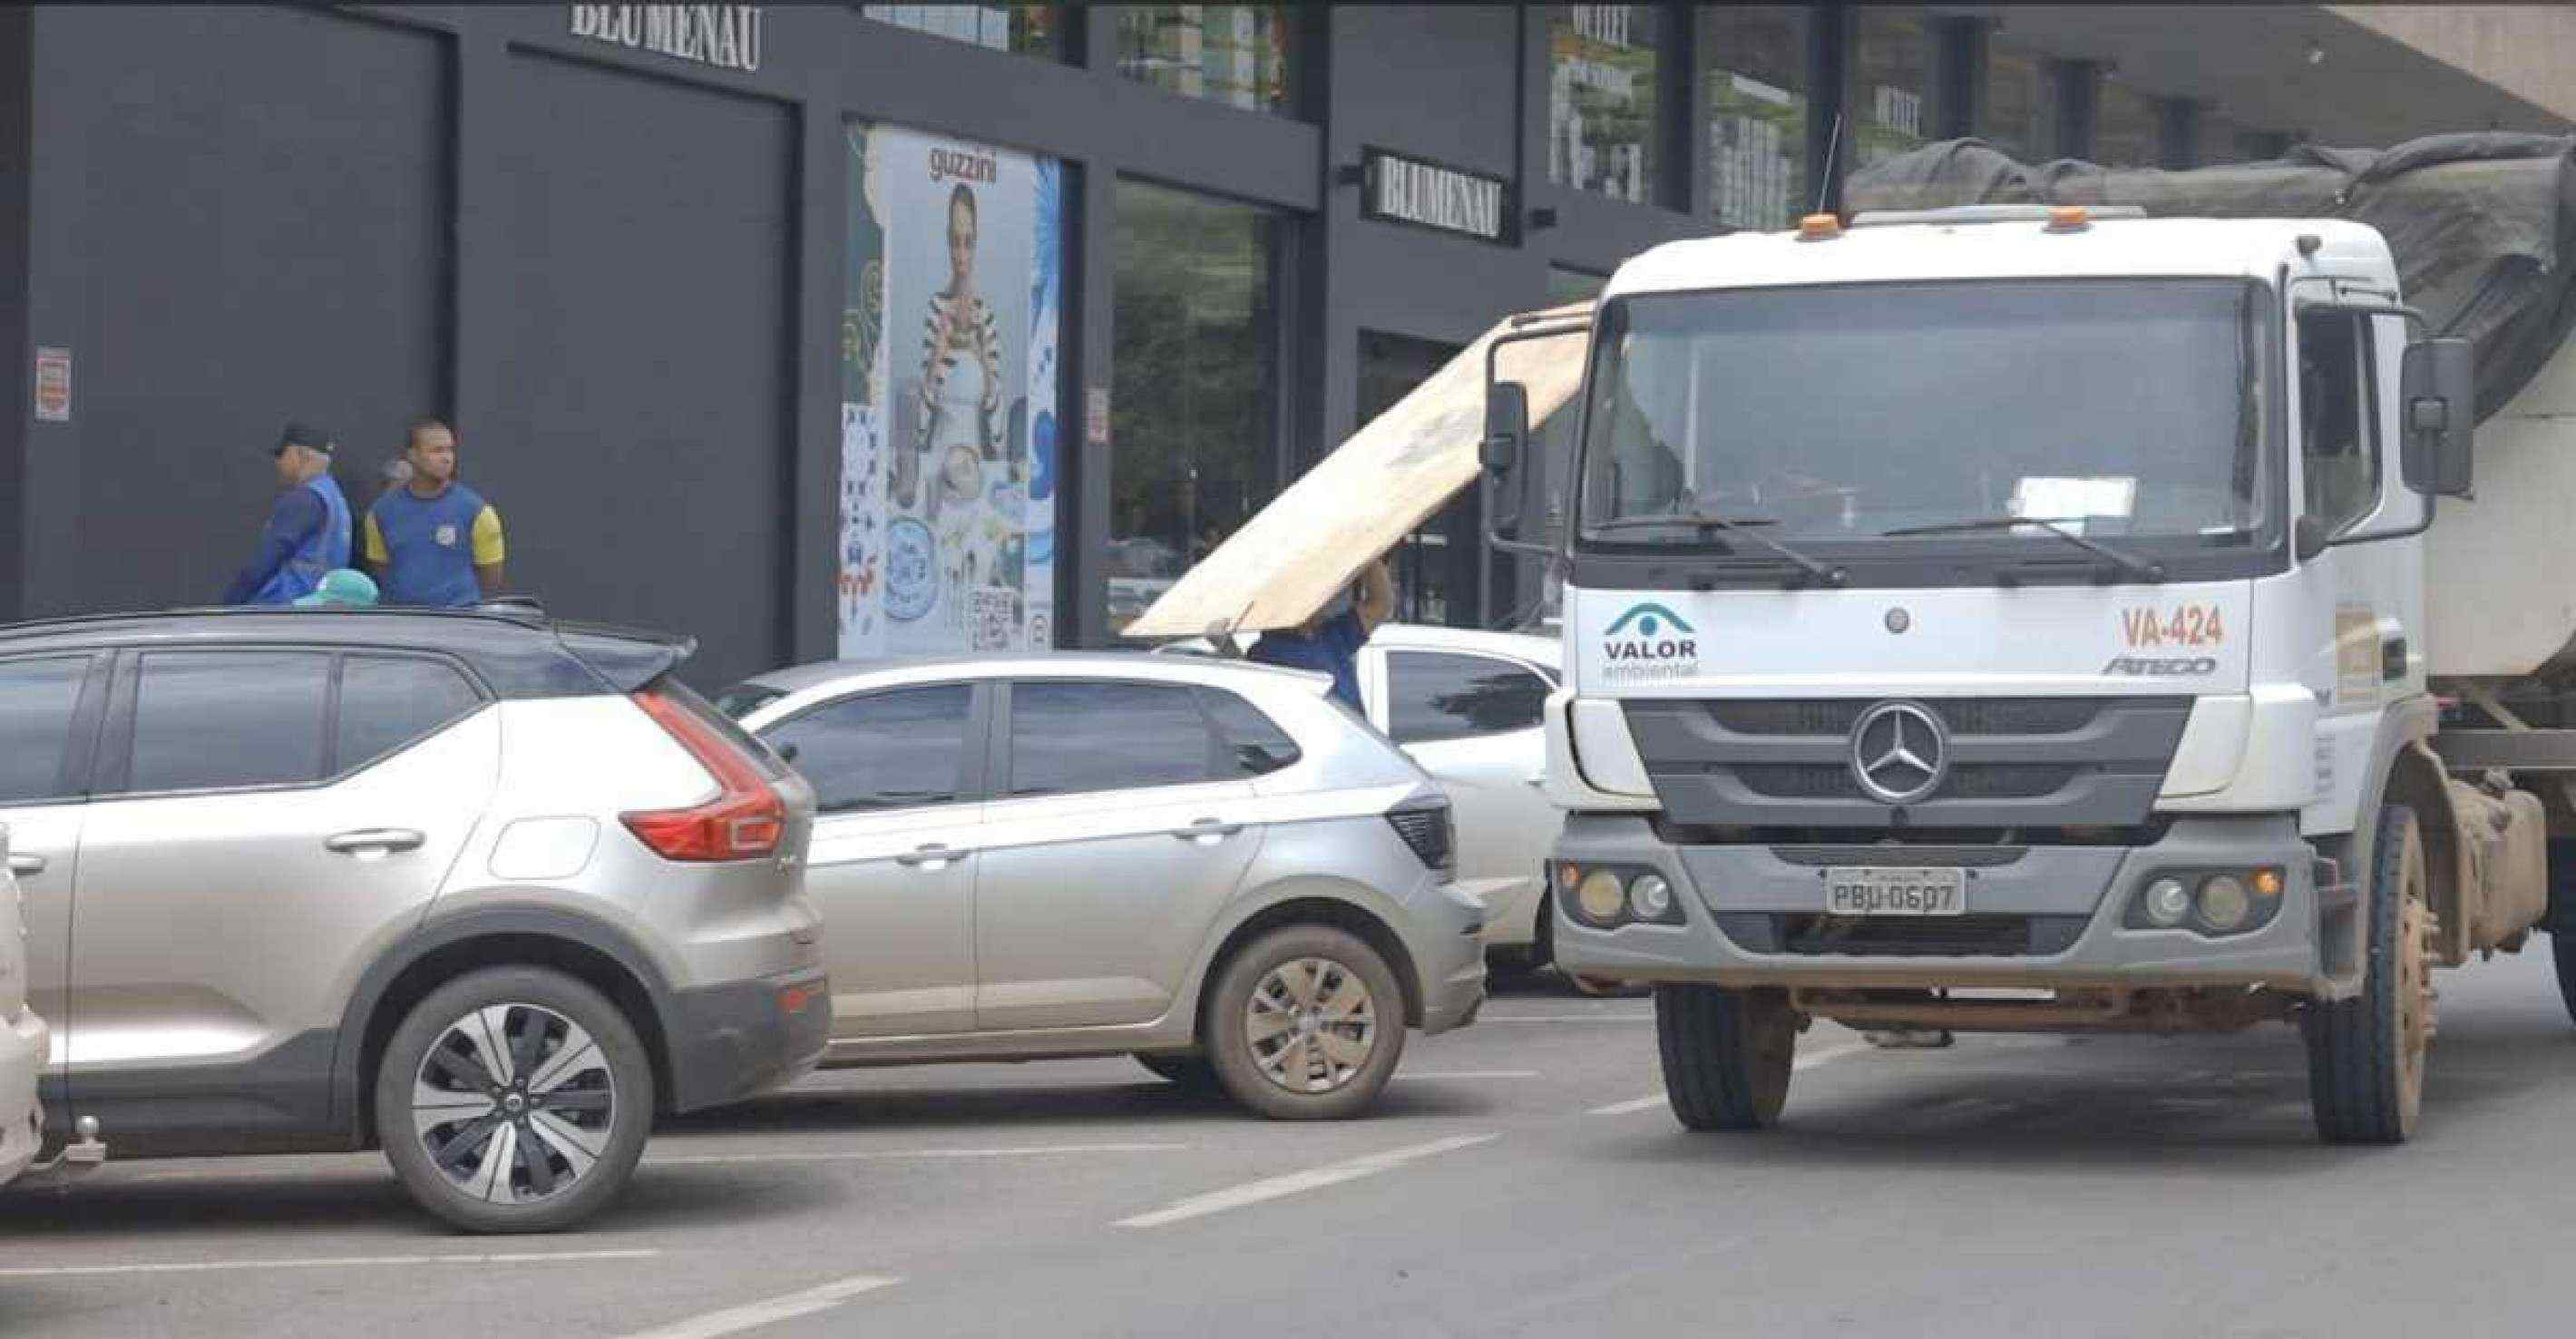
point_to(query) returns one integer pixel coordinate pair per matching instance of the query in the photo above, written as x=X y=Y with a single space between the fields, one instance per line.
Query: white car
x=24 y=1041
x=1467 y=706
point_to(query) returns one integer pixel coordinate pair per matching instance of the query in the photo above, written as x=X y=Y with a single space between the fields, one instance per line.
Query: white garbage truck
x=2052 y=618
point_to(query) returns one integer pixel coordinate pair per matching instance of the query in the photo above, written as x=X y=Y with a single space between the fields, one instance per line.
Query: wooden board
x=1294 y=555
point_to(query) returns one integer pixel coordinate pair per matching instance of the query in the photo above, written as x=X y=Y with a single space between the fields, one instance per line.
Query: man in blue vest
x=308 y=526
x=1330 y=642
x=434 y=541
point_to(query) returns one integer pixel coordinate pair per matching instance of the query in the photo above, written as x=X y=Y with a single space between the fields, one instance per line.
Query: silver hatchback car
x=1212 y=867
x=482 y=889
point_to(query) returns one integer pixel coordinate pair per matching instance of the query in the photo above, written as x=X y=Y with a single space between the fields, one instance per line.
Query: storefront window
x=2127 y=127
x=1891 y=85
x=1435 y=566
x=949 y=331
x=1602 y=121
x=1234 y=54
x=1194 y=399
x=1031 y=30
x=1754 y=60
x=2017 y=107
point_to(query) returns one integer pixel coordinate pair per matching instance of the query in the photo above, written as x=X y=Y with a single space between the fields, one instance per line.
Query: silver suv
x=481 y=889
x=1212 y=867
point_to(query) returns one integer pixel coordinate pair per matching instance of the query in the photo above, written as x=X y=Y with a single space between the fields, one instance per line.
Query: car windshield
x=2123 y=409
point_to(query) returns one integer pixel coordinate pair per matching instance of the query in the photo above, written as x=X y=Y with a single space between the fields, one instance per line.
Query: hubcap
x=1312 y=1024
x=514 y=1103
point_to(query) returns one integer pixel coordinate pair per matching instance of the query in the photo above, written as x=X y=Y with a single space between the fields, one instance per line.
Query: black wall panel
x=640 y=449
x=254 y=230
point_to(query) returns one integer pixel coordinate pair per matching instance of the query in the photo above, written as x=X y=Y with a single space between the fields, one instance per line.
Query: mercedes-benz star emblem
x=1899 y=752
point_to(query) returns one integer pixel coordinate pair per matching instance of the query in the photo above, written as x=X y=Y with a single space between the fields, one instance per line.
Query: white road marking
x=1483 y=1019
x=333 y=1262
x=1824 y=1057
x=1294 y=1183
x=898 y=1155
x=752 y=1315
x=1473 y=1074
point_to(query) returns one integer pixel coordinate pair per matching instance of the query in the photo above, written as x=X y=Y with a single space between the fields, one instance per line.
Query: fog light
x=1601 y=897
x=2223 y=903
x=1650 y=897
x=2168 y=902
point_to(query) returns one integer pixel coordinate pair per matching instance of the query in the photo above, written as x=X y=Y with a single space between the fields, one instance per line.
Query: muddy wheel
x=2366 y=1054
x=1727 y=1054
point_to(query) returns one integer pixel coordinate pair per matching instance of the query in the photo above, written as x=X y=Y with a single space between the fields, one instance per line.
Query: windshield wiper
x=2130 y=563
x=1744 y=526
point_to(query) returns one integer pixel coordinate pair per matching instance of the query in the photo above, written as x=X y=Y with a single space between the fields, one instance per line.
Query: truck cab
x=2014 y=617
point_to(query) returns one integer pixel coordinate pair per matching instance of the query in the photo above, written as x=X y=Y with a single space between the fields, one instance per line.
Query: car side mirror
x=2438 y=394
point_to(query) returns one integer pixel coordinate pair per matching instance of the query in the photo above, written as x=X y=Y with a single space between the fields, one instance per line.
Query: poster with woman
x=948 y=417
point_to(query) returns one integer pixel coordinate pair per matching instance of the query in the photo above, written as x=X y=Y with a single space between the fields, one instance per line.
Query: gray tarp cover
x=2482 y=224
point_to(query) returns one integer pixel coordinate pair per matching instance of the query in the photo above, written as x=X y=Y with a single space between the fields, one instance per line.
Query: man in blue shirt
x=434 y=541
x=1330 y=642
x=308 y=526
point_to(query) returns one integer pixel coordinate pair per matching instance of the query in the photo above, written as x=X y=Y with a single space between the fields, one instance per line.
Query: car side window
x=222 y=720
x=387 y=702
x=1254 y=744
x=2338 y=441
x=1074 y=736
x=1432 y=696
x=898 y=749
x=37 y=698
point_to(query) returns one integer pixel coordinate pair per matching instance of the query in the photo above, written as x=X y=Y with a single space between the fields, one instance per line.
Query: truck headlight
x=2213 y=903
x=1601 y=896
x=1606 y=897
x=1650 y=897
x=2223 y=903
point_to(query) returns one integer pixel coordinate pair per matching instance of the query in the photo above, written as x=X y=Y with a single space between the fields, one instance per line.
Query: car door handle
x=932 y=856
x=1207 y=830
x=375 y=841
x=26 y=864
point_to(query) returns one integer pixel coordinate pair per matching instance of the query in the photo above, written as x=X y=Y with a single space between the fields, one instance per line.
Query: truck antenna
x=1833 y=142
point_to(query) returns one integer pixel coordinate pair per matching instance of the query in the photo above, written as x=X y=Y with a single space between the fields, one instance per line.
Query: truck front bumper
x=2054 y=913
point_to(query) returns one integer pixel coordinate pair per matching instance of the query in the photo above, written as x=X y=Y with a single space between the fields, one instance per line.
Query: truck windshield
x=2125 y=410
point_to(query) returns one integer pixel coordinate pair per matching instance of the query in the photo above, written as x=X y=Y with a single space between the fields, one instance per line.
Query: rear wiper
x=2130 y=563
x=1744 y=526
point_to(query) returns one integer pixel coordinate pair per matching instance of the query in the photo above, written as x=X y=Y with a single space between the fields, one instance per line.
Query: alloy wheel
x=1312 y=1025
x=514 y=1103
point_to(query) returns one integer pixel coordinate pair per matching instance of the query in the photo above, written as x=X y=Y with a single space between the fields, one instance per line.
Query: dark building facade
x=881 y=329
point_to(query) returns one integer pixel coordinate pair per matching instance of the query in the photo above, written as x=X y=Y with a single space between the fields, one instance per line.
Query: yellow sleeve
x=487 y=537
x=376 y=542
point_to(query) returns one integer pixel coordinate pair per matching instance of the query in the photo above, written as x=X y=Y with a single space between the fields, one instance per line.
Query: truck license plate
x=1852 y=890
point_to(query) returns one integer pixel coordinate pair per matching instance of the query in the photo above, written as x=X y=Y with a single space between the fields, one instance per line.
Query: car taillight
x=745 y=821
x=1425 y=828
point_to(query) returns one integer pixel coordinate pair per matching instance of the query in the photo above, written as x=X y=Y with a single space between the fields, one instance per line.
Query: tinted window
x=1432 y=696
x=218 y=719
x=387 y=702
x=1253 y=742
x=1068 y=737
x=882 y=751
x=2338 y=449
x=36 y=700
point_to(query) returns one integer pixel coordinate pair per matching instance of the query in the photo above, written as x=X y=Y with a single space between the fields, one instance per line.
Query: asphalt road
x=1522 y=1178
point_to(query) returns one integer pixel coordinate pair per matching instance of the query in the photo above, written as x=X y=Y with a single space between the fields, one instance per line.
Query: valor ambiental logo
x=1647 y=643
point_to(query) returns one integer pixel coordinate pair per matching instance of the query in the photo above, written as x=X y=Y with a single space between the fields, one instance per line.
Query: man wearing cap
x=1330 y=642
x=434 y=541
x=308 y=526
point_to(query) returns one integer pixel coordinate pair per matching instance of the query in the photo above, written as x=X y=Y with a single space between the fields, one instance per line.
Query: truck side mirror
x=1506 y=427
x=2437 y=389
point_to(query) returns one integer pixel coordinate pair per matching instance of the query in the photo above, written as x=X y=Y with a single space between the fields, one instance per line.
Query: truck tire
x=1727 y=1054
x=2366 y=1054
x=2562 y=946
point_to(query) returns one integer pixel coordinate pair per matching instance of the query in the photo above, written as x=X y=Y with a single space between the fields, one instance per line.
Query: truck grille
x=1813 y=935
x=2012 y=763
